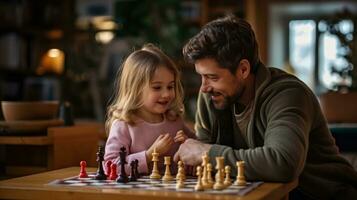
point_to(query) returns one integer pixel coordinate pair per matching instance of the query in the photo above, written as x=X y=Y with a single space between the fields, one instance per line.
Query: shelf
x=26 y=140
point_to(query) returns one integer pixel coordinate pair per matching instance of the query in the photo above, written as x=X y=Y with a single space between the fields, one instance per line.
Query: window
x=302 y=48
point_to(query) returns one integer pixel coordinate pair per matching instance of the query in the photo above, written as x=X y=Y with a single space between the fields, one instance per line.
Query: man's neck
x=249 y=91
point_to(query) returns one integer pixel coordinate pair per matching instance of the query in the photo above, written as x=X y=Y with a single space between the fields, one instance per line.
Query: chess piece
x=137 y=174
x=83 y=172
x=227 y=181
x=210 y=181
x=205 y=160
x=180 y=183
x=123 y=178
x=181 y=174
x=100 y=175
x=167 y=176
x=132 y=176
x=218 y=185
x=155 y=171
x=199 y=186
x=108 y=166
x=240 y=174
x=113 y=172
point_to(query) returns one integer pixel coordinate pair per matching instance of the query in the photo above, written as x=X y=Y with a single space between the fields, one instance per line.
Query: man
x=263 y=116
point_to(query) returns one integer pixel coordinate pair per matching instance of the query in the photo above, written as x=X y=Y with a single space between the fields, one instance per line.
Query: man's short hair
x=228 y=40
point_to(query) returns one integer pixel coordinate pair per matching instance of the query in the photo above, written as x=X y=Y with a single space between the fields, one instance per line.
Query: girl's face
x=158 y=95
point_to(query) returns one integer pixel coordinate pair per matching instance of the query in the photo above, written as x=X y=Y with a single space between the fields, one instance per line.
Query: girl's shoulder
x=119 y=124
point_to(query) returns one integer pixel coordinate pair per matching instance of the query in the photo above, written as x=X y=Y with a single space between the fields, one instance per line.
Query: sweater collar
x=262 y=79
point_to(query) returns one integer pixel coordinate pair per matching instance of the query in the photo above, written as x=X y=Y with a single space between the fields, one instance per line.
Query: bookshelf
x=28 y=30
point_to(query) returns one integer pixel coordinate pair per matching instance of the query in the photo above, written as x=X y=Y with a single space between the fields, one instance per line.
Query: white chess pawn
x=210 y=181
x=199 y=186
x=181 y=174
x=227 y=181
x=167 y=176
x=240 y=174
x=180 y=184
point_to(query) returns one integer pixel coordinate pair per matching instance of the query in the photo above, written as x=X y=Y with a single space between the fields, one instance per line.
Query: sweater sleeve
x=203 y=123
x=288 y=115
x=119 y=136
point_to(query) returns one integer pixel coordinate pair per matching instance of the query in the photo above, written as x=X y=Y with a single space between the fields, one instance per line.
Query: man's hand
x=191 y=151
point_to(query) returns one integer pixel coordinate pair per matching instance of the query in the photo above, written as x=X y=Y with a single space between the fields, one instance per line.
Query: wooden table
x=34 y=187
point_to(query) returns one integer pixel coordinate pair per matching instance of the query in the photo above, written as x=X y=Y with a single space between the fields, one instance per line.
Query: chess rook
x=167 y=176
x=240 y=174
x=219 y=185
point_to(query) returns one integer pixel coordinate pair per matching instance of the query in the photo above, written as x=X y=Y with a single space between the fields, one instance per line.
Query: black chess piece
x=100 y=175
x=123 y=178
x=137 y=174
x=132 y=176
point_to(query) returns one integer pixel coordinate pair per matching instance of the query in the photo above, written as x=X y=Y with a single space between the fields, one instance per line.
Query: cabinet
x=60 y=147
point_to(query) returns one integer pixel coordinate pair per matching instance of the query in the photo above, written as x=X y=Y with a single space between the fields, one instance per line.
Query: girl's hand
x=162 y=144
x=180 y=137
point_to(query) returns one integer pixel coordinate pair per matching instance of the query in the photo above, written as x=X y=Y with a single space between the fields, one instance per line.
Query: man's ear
x=243 y=69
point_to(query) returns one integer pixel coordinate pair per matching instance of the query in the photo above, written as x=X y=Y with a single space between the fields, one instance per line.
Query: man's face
x=223 y=86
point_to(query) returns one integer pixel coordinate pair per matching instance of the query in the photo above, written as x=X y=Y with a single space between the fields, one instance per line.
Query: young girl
x=146 y=111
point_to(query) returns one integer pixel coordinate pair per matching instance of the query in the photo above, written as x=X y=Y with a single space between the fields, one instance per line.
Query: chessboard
x=145 y=183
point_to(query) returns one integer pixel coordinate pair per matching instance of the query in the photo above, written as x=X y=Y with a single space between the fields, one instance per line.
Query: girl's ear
x=243 y=69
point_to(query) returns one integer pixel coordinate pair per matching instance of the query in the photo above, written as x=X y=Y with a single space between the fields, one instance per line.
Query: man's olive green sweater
x=287 y=137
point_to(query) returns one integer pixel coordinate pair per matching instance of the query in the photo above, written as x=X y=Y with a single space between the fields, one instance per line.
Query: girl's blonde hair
x=137 y=72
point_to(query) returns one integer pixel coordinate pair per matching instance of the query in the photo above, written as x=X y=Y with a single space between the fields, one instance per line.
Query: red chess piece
x=108 y=167
x=83 y=173
x=113 y=172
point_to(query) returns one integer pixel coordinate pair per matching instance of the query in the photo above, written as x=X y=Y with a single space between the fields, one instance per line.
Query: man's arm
x=288 y=117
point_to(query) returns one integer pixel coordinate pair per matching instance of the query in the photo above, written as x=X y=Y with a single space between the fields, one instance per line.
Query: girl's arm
x=119 y=136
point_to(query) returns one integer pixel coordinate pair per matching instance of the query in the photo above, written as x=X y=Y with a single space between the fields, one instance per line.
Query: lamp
x=52 y=61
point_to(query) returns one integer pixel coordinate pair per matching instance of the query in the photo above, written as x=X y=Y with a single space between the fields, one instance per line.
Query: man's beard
x=227 y=100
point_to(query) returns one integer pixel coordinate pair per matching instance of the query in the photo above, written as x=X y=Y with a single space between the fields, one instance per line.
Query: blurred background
x=70 y=50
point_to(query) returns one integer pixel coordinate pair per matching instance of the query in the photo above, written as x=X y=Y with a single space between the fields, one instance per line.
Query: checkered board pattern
x=144 y=183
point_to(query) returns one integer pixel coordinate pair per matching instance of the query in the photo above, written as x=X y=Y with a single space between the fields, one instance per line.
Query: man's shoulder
x=280 y=78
